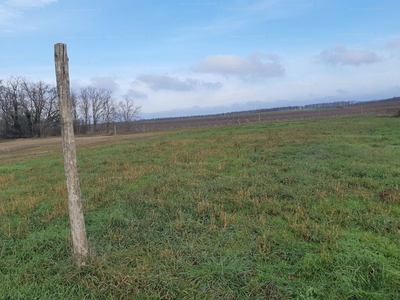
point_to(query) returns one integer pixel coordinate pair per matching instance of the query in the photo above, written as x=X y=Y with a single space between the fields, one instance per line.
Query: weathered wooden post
x=115 y=129
x=77 y=221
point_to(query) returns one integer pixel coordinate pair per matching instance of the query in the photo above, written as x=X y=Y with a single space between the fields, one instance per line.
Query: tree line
x=30 y=109
x=337 y=104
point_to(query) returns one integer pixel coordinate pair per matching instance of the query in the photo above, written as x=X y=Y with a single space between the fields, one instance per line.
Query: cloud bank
x=340 y=55
x=105 y=83
x=394 y=44
x=257 y=65
x=136 y=94
x=162 y=82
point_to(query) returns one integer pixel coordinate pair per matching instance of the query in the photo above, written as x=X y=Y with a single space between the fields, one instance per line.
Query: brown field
x=378 y=108
x=24 y=149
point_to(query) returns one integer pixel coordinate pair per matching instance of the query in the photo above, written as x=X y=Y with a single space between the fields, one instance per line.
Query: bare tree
x=84 y=106
x=91 y=105
x=96 y=101
x=75 y=113
x=3 y=120
x=11 y=97
x=17 y=97
x=51 y=112
x=40 y=106
x=30 y=108
x=109 y=109
x=129 y=110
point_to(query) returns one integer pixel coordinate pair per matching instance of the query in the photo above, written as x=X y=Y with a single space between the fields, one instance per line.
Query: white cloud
x=105 y=83
x=28 y=3
x=12 y=9
x=257 y=65
x=160 y=82
x=341 y=92
x=136 y=94
x=340 y=55
x=394 y=44
x=7 y=14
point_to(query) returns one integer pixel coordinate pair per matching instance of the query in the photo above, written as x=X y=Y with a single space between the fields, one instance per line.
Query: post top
x=60 y=47
x=60 y=50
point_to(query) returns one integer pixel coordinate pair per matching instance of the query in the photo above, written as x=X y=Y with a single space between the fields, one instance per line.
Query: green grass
x=270 y=211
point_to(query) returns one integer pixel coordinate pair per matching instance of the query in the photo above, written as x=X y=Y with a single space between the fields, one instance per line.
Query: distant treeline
x=30 y=109
x=378 y=101
x=264 y=110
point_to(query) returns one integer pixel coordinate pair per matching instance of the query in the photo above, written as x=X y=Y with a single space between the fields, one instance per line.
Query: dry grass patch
x=7 y=181
x=390 y=196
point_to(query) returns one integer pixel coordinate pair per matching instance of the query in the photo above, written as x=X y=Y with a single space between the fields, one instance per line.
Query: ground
x=288 y=210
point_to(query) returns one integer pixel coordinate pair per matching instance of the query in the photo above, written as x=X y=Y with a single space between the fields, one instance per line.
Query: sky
x=189 y=57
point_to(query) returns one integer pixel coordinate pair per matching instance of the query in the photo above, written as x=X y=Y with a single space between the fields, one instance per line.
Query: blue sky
x=194 y=57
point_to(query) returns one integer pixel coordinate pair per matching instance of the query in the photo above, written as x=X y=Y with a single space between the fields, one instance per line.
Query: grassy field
x=301 y=210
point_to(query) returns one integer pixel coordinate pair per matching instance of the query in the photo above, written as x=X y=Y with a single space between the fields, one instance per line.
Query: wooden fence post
x=77 y=221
